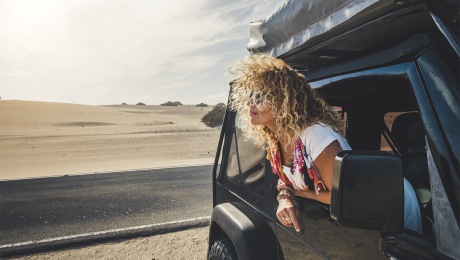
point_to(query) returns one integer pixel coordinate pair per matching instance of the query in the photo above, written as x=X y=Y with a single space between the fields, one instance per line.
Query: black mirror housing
x=368 y=191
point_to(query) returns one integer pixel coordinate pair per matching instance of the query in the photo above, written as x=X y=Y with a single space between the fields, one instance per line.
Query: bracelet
x=287 y=193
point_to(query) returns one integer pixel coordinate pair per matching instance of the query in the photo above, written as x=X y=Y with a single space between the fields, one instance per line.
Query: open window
x=343 y=117
x=373 y=102
x=246 y=161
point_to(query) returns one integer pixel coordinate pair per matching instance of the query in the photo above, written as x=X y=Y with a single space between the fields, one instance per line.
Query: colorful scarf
x=301 y=159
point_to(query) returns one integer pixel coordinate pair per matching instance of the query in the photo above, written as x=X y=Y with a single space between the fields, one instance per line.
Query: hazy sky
x=112 y=51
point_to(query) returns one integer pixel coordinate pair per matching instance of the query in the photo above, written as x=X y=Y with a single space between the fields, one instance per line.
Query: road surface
x=48 y=213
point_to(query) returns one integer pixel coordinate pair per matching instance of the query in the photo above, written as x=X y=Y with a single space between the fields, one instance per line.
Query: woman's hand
x=288 y=213
x=284 y=186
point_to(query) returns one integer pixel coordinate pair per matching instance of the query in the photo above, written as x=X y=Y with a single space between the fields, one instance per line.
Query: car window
x=233 y=171
x=444 y=90
x=447 y=231
x=246 y=162
x=252 y=163
x=343 y=116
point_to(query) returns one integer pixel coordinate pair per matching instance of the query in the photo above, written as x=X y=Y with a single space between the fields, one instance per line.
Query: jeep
x=391 y=69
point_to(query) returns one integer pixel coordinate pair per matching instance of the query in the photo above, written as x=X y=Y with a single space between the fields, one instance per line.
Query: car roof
x=402 y=52
x=314 y=34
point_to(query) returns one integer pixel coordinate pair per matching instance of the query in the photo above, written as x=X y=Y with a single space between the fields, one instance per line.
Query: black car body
x=387 y=58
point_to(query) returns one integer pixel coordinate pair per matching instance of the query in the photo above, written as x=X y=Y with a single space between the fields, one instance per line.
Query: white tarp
x=294 y=22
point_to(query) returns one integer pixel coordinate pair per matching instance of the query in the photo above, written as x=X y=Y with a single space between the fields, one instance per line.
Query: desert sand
x=188 y=244
x=45 y=139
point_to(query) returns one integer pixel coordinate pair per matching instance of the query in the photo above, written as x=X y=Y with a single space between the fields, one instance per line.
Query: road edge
x=101 y=237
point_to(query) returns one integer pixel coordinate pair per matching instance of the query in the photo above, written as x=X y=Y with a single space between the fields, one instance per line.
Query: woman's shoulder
x=318 y=133
x=318 y=136
x=318 y=129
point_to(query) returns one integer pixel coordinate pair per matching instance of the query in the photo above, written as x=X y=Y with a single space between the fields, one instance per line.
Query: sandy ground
x=45 y=139
x=188 y=244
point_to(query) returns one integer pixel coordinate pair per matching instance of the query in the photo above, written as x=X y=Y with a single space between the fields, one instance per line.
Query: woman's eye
x=258 y=99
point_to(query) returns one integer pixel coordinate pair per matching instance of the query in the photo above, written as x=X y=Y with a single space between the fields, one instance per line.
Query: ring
x=284 y=218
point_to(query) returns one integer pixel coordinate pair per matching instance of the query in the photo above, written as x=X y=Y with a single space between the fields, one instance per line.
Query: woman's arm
x=324 y=196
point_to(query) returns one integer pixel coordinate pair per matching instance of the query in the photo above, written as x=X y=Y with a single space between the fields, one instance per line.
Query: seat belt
x=386 y=135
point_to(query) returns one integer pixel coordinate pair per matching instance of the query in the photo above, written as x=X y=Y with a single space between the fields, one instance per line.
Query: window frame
x=413 y=242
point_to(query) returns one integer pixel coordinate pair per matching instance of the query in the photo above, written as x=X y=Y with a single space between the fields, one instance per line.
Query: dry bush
x=170 y=103
x=215 y=117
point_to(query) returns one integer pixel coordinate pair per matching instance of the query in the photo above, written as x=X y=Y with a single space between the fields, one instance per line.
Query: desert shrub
x=215 y=117
x=124 y=104
x=140 y=103
x=202 y=105
x=170 y=103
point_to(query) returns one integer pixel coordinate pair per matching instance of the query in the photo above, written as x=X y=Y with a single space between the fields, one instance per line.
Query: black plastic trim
x=450 y=36
x=244 y=234
x=216 y=160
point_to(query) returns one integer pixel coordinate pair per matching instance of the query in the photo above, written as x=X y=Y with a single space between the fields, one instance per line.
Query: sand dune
x=44 y=138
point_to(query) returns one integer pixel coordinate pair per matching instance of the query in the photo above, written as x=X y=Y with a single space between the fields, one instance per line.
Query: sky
x=100 y=52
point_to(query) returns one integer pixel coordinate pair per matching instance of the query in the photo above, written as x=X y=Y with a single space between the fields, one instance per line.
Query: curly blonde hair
x=296 y=106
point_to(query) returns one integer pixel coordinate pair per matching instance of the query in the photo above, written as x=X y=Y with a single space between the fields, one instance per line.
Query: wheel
x=222 y=249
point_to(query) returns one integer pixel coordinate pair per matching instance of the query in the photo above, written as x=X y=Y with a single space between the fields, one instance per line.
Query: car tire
x=222 y=249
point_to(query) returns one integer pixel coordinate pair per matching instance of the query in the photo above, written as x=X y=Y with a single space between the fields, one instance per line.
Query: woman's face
x=262 y=115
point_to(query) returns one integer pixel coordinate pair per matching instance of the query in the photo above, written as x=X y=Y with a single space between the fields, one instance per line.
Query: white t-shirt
x=315 y=139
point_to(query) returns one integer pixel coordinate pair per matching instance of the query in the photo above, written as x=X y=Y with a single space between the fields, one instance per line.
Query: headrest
x=408 y=134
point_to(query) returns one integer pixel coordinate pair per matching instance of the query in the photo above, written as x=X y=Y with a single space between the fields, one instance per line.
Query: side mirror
x=368 y=191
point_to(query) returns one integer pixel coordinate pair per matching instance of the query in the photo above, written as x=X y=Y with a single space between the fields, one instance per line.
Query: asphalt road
x=48 y=208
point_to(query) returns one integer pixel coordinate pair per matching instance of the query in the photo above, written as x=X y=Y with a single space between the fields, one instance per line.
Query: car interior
x=381 y=114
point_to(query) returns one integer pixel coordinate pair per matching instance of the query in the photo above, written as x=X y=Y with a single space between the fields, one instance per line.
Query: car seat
x=408 y=135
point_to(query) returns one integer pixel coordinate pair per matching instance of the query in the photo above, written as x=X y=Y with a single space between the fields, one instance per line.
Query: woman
x=280 y=112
